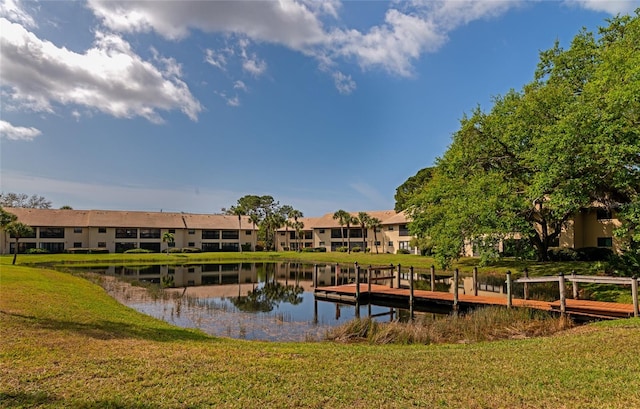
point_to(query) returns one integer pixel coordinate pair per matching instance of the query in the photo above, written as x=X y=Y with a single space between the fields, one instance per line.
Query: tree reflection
x=265 y=298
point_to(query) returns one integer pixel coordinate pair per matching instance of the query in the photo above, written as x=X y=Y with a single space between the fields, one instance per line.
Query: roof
x=121 y=218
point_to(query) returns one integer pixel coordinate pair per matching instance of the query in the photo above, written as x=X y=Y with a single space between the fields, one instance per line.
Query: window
x=247 y=232
x=122 y=247
x=230 y=234
x=171 y=244
x=126 y=233
x=603 y=214
x=172 y=231
x=210 y=234
x=336 y=233
x=390 y=228
x=390 y=244
x=53 y=247
x=207 y=247
x=51 y=233
x=102 y=244
x=404 y=245
x=376 y=243
x=308 y=235
x=321 y=243
x=77 y=244
x=321 y=231
x=102 y=229
x=191 y=231
x=230 y=247
x=191 y=270
x=404 y=230
x=282 y=233
x=191 y=244
x=77 y=229
x=605 y=242
x=149 y=233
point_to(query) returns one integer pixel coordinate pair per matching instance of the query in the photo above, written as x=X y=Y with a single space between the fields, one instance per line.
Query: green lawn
x=65 y=343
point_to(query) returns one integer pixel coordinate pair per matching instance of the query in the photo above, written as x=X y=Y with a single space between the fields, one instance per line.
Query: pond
x=254 y=301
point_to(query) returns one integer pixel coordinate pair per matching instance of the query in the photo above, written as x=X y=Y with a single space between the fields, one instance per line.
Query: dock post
x=391 y=281
x=357 y=268
x=399 y=274
x=369 y=279
x=526 y=285
x=315 y=276
x=563 y=297
x=475 y=281
x=575 y=286
x=411 y=287
x=509 y=292
x=433 y=278
x=634 y=294
x=456 y=274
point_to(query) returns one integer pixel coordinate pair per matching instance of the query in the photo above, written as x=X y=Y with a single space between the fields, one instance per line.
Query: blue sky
x=187 y=106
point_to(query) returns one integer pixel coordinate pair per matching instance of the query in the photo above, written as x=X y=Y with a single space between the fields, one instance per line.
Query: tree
x=362 y=219
x=23 y=200
x=237 y=211
x=298 y=226
x=567 y=141
x=168 y=238
x=5 y=219
x=344 y=218
x=412 y=185
x=286 y=212
x=66 y=207
x=374 y=224
x=18 y=230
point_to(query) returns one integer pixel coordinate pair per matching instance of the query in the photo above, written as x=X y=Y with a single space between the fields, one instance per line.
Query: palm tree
x=168 y=238
x=238 y=211
x=298 y=226
x=286 y=212
x=362 y=219
x=296 y=214
x=18 y=230
x=374 y=223
x=343 y=217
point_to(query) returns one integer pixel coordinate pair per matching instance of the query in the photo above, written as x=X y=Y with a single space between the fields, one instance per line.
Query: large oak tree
x=567 y=140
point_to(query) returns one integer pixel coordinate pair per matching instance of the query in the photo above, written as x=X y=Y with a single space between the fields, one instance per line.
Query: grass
x=465 y=265
x=66 y=344
x=485 y=324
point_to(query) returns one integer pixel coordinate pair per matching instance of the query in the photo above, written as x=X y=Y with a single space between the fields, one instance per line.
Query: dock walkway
x=383 y=295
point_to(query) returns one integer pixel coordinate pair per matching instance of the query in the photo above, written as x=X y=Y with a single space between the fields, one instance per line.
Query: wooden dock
x=445 y=302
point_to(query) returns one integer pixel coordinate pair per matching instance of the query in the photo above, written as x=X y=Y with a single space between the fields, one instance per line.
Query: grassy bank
x=465 y=265
x=65 y=343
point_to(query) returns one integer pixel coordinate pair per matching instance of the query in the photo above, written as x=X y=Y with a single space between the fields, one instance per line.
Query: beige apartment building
x=117 y=231
x=326 y=232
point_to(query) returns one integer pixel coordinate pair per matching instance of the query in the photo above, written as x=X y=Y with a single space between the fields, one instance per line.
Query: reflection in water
x=266 y=301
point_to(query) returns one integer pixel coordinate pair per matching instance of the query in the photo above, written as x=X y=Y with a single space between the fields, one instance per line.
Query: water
x=259 y=301
x=254 y=301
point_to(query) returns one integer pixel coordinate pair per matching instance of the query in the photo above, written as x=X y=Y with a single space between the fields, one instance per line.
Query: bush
x=403 y=251
x=191 y=250
x=246 y=247
x=94 y=250
x=594 y=254
x=259 y=247
x=342 y=249
x=137 y=251
x=562 y=254
x=356 y=249
x=37 y=251
x=175 y=250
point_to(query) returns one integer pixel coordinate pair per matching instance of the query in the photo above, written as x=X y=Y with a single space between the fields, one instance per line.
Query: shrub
x=37 y=251
x=137 y=251
x=246 y=247
x=594 y=254
x=83 y=250
x=308 y=250
x=562 y=254
x=259 y=247
x=191 y=250
x=403 y=251
x=356 y=249
x=175 y=250
x=342 y=249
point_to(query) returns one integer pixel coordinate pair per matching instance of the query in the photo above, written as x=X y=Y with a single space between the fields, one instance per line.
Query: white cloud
x=344 y=84
x=240 y=85
x=254 y=66
x=612 y=7
x=109 y=77
x=12 y=132
x=216 y=59
x=13 y=11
